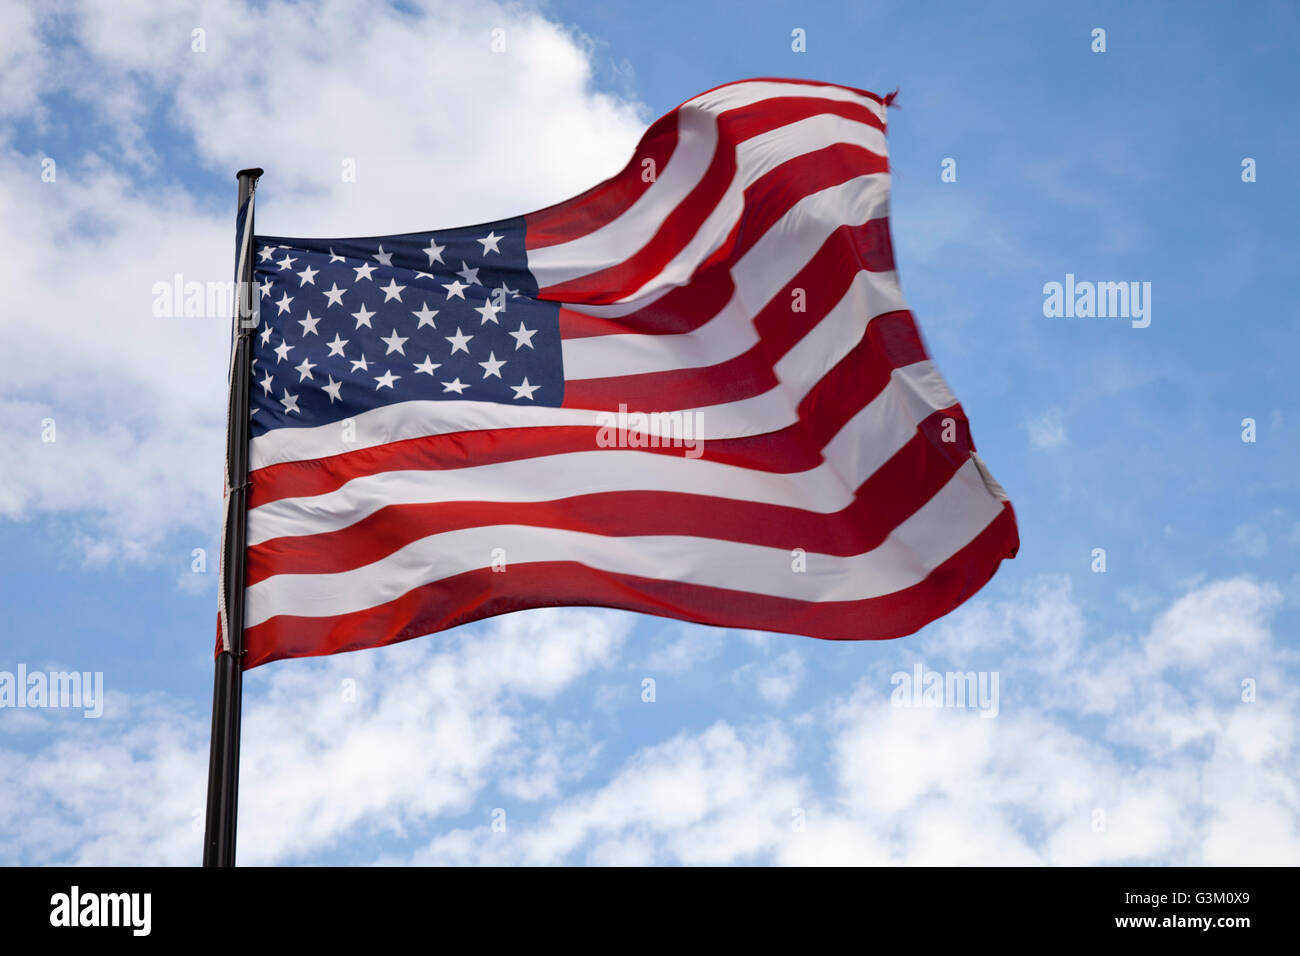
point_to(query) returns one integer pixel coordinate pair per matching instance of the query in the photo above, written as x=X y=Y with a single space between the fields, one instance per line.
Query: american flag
x=454 y=424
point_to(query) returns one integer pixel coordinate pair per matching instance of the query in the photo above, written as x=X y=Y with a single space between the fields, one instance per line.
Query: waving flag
x=694 y=391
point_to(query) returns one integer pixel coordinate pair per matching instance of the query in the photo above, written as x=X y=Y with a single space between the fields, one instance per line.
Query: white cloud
x=776 y=680
x=424 y=734
x=1166 y=764
x=1249 y=540
x=1047 y=430
x=945 y=786
x=693 y=646
x=21 y=62
x=711 y=798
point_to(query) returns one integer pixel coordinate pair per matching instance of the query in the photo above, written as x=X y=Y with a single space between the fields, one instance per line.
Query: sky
x=1143 y=644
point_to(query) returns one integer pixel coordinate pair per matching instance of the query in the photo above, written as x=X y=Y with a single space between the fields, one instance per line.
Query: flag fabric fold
x=695 y=391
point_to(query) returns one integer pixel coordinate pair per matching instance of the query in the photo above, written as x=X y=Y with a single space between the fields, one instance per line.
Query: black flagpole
x=227 y=683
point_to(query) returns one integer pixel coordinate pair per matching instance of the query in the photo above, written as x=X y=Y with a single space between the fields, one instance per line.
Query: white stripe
x=840 y=330
x=945 y=524
x=888 y=422
x=547 y=479
x=770 y=411
x=759 y=155
x=726 y=335
x=755 y=158
x=760 y=274
x=731 y=333
x=867 y=441
x=618 y=240
x=765 y=269
x=748 y=92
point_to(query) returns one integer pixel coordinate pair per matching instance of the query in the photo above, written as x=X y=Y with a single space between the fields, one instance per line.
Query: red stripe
x=605 y=202
x=602 y=204
x=901 y=486
x=824 y=281
x=683 y=309
x=483 y=593
x=682 y=223
x=689 y=306
x=746 y=122
x=779 y=190
x=891 y=342
x=781 y=451
x=734 y=380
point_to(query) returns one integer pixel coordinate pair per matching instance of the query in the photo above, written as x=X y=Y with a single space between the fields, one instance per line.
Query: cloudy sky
x=1147 y=712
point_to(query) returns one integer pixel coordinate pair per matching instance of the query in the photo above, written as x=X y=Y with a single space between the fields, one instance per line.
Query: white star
x=332 y=389
x=490 y=242
x=286 y=262
x=434 y=252
x=425 y=315
x=489 y=310
x=266 y=384
x=266 y=335
x=335 y=295
x=283 y=304
x=282 y=350
x=427 y=366
x=336 y=347
x=304 y=370
x=506 y=290
x=492 y=366
x=383 y=258
x=523 y=337
x=455 y=385
x=266 y=288
x=266 y=252
x=309 y=325
x=363 y=317
x=459 y=342
x=363 y=272
x=468 y=274
x=524 y=390
x=360 y=363
x=394 y=343
x=386 y=380
x=455 y=288
x=307 y=277
x=334 y=258
x=290 y=403
x=392 y=291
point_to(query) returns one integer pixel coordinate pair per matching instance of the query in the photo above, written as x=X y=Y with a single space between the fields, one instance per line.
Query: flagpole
x=227 y=682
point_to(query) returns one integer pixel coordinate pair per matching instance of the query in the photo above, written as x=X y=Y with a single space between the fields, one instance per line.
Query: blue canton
x=347 y=325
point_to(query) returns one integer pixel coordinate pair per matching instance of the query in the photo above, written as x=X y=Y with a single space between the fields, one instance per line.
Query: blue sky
x=1120 y=691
